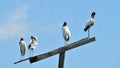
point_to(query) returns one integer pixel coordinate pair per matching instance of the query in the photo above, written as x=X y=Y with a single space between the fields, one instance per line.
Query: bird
x=66 y=33
x=90 y=23
x=22 y=47
x=32 y=44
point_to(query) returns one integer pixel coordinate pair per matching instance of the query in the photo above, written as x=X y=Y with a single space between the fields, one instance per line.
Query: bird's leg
x=88 y=33
x=66 y=42
x=32 y=52
x=21 y=57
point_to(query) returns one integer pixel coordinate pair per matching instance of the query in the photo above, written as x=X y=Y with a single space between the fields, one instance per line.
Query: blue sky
x=44 y=19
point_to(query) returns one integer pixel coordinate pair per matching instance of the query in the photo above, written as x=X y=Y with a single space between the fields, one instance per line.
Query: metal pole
x=61 y=60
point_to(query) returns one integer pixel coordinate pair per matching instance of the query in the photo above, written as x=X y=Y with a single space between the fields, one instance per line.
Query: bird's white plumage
x=33 y=43
x=66 y=32
x=22 y=47
x=90 y=22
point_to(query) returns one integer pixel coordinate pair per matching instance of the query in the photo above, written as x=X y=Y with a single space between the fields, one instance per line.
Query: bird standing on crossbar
x=66 y=32
x=32 y=44
x=90 y=23
x=22 y=47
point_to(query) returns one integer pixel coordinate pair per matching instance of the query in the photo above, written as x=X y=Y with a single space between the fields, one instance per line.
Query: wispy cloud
x=15 y=23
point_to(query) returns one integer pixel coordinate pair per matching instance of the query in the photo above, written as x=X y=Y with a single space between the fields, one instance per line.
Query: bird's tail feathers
x=29 y=46
x=68 y=39
x=86 y=28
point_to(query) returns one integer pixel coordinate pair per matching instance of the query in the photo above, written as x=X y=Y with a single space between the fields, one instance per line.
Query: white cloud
x=18 y=15
x=15 y=24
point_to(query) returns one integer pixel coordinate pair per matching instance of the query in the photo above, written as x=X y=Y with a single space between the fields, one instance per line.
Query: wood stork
x=90 y=23
x=66 y=32
x=32 y=44
x=22 y=47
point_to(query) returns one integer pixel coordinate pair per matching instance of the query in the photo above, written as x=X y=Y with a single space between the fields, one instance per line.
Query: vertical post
x=61 y=60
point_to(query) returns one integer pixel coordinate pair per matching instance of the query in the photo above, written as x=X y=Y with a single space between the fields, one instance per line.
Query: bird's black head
x=93 y=15
x=65 y=23
x=21 y=39
x=32 y=37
